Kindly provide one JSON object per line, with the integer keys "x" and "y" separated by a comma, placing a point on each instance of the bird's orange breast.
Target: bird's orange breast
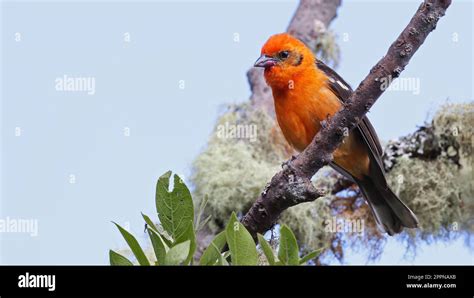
{"x": 301, "y": 109}
{"x": 300, "y": 112}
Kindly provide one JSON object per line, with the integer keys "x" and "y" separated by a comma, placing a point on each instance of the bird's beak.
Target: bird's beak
{"x": 265, "y": 61}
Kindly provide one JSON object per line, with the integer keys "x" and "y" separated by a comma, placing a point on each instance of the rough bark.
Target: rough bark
{"x": 423, "y": 144}
{"x": 292, "y": 185}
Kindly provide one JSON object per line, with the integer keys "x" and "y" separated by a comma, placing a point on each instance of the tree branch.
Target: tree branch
{"x": 293, "y": 185}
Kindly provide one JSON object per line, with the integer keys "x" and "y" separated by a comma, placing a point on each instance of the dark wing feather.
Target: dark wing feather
{"x": 343, "y": 92}
{"x": 389, "y": 210}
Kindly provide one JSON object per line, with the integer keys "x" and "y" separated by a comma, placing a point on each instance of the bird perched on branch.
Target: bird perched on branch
{"x": 306, "y": 92}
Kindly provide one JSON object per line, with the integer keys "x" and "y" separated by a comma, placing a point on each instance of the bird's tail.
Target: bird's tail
{"x": 390, "y": 212}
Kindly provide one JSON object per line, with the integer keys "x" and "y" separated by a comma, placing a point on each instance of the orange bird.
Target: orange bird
{"x": 307, "y": 92}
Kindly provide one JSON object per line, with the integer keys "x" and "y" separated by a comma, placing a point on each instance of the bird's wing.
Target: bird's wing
{"x": 343, "y": 91}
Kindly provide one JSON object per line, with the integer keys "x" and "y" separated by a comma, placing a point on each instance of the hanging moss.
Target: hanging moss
{"x": 327, "y": 48}
{"x": 307, "y": 221}
{"x": 232, "y": 171}
{"x": 431, "y": 189}
{"x": 454, "y": 125}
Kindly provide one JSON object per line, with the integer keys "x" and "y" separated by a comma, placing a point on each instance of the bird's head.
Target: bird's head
{"x": 284, "y": 59}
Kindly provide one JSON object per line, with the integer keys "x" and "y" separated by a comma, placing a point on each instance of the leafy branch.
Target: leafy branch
{"x": 174, "y": 239}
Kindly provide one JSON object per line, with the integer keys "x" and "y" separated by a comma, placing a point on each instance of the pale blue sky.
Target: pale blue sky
{"x": 137, "y": 87}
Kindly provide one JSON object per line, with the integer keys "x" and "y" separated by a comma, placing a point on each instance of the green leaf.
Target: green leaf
{"x": 159, "y": 242}
{"x": 178, "y": 254}
{"x": 203, "y": 223}
{"x": 226, "y": 254}
{"x": 211, "y": 255}
{"x": 117, "y": 259}
{"x": 175, "y": 209}
{"x": 241, "y": 245}
{"x": 310, "y": 256}
{"x": 190, "y": 235}
{"x": 150, "y": 224}
{"x": 164, "y": 235}
{"x": 134, "y": 246}
{"x": 202, "y": 206}
{"x": 288, "y": 253}
{"x": 222, "y": 261}
{"x": 159, "y": 246}
{"x": 159, "y": 229}
{"x": 267, "y": 249}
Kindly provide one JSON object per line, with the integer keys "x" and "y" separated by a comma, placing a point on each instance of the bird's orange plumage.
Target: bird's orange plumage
{"x": 303, "y": 100}
{"x": 307, "y": 92}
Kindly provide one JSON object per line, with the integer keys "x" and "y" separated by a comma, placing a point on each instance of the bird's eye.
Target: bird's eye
{"x": 283, "y": 54}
